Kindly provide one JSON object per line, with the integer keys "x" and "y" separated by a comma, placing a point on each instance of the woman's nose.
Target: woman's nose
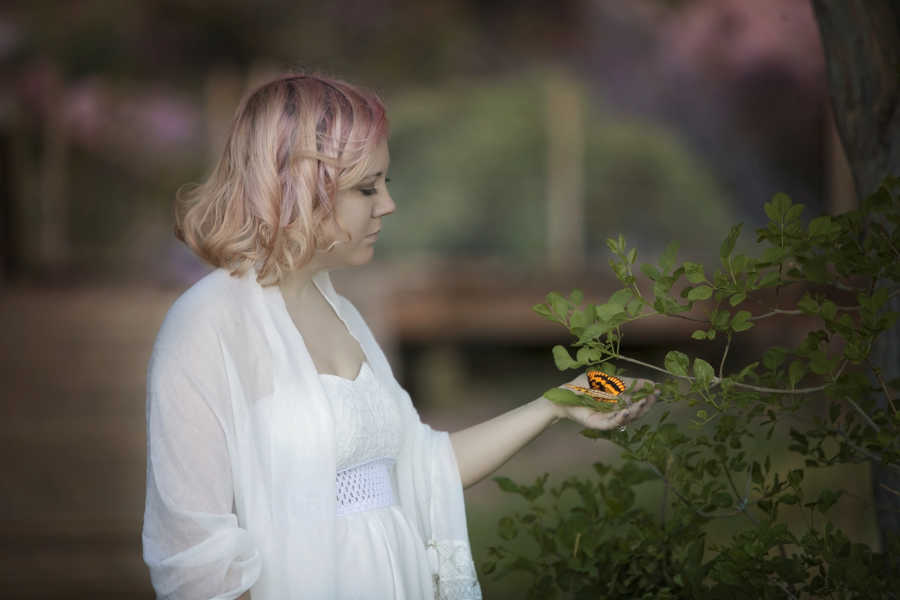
{"x": 385, "y": 204}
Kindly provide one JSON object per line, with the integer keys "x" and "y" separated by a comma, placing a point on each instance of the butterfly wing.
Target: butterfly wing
{"x": 598, "y": 380}
{"x": 593, "y": 393}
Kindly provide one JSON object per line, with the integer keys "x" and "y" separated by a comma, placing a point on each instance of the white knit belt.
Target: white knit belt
{"x": 365, "y": 487}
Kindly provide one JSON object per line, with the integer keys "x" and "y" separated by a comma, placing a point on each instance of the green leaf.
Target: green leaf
{"x": 781, "y": 202}
{"x": 694, "y": 272}
{"x": 741, "y": 321}
{"x": 773, "y": 357}
{"x": 667, "y": 260}
{"x": 795, "y": 477}
{"x": 719, "y": 318}
{"x": 793, "y": 213}
{"x": 703, "y": 371}
{"x": 562, "y": 358}
{"x": 796, "y": 372}
{"x": 563, "y": 397}
{"x": 621, "y": 297}
{"x": 827, "y": 499}
{"x": 808, "y": 305}
{"x": 701, "y": 292}
{"x": 834, "y": 411}
{"x": 580, "y": 319}
{"x": 768, "y": 279}
{"x": 699, "y": 335}
{"x": 729, "y": 241}
{"x": 559, "y": 304}
{"x": 634, "y": 307}
{"x": 722, "y": 499}
{"x": 608, "y": 312}
{"x": 583, "y": 355}
{"x": 819, "y": 363}
{"x": 880, "y": 297}
{"x": 737, "y": 298}
{"x": 506, "y": 528}
{"x": 829, "y": 310}
{"x": 593, "y": 331}
{"x": 542, "y": 309}
{"x": 747, "y": 371}
{"x": 632, "y": 256}
{"x": 820, "y": 226}
{"x": 507, "y": 485}
{"x": 756, "y": 474}
{"x": 650, "y": 271}
{"x": 677, "y": 362}
{"x": 774, "y": 254}
{"x": 576, "y": 297}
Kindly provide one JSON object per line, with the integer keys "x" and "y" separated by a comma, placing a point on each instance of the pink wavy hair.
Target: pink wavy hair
{"x": 294, "y": 143}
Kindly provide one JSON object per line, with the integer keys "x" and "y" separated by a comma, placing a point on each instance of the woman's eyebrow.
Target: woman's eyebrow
{"x": 373, "y": 175}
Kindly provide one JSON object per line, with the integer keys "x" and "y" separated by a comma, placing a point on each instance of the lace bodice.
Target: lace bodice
{"x": 367, "y": 424}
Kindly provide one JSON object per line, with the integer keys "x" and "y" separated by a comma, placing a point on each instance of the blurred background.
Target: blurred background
{"x": 523, "y": 135}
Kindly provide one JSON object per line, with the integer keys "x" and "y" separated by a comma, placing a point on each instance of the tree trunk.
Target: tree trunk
{"x": 861, "y": 39}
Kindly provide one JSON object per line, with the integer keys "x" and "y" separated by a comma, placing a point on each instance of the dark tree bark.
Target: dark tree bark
{"x": 861, "y": 39}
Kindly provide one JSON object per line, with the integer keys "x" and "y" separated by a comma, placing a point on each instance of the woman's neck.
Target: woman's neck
{"x": 297, "y": 285}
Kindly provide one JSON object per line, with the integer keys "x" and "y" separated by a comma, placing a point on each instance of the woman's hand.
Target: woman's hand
{"x": 605, "y": 420}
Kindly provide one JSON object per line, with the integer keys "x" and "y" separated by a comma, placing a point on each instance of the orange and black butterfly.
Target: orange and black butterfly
{"x": 602, "y": 387}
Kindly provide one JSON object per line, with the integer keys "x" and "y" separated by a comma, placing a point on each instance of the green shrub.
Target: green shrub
{"x": 823, "y": 401}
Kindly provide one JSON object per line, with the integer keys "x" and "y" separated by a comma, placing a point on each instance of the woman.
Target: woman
{"x": 283, "y": 457}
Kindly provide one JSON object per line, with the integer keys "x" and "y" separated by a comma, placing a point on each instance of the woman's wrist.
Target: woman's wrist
{"x": 554, "y": 412}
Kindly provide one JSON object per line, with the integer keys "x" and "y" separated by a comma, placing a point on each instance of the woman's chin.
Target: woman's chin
{"x": 359, "y": 257}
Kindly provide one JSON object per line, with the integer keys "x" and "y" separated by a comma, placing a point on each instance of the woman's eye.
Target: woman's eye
{"x": 371, "y": 191}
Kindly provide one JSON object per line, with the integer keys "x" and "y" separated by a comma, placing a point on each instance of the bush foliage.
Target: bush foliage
{"x": 822, "y": 401}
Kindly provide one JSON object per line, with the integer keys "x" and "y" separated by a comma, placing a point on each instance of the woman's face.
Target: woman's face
{"x": 358, "y": 211}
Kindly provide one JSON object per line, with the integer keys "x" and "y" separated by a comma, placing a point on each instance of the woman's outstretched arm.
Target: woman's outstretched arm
{"x": 483, "y": 448}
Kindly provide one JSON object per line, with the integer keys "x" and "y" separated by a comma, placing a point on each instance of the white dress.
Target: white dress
{"x": 379, "y": 547}
{"x": 245, "y": 440}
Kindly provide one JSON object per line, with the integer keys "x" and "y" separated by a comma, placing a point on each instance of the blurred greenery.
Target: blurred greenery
{"x": 469, "y": 173}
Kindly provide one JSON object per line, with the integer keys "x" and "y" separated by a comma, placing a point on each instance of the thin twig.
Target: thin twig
{"x": 863, "y": 451}
{"x": 891, "y": 490}
{"x": 746, "y": 386}
{"x": 724, "y": 354}
{"x": 776, "y": 311}
{"x": 687, "y": 502}
{"x": 786, "y": 589}
{"x": 863, "y": 413}
{"x": 887, "y": 394}
{"x": 779, "y": 311}
{"x": 737, "y": 494}
{"x": 685, "y": 317}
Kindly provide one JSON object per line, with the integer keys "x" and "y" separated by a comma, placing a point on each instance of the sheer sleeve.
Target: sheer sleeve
{"x": 430, "y": 482}
{"x": 192, "y": 542}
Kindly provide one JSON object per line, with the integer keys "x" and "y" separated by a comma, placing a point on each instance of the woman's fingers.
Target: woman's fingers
{"x": 597, "y": 419}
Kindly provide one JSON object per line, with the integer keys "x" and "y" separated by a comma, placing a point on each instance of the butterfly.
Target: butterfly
{"x": 602, "y": 387}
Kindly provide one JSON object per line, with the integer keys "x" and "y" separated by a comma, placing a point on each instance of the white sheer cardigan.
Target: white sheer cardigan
{"x": 241, "y": 454}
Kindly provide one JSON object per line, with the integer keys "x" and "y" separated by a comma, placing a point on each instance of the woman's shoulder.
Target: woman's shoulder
{"x": 208, "y": 308}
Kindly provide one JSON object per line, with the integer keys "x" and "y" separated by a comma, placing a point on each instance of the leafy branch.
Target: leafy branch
{"x": 607, "y": 546}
